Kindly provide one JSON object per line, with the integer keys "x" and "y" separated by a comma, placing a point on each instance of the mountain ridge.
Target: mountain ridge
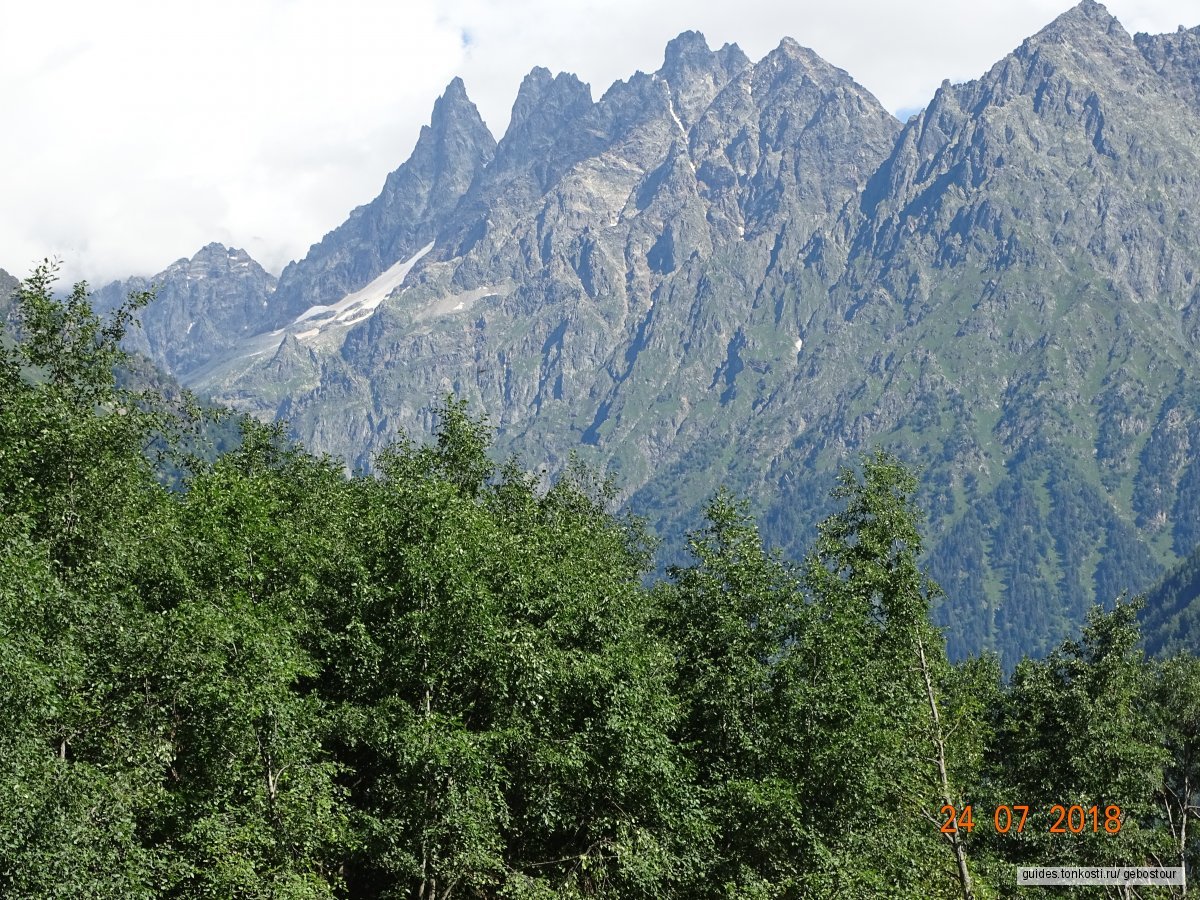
{"x": 745, "y": 272}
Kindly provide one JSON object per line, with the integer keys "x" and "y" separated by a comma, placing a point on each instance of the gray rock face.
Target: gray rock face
{"x": 1176, "y": 57}
{"x": 8, "y": 286}
{"x": 581, "y": 263}
{"x": 746, "y": 273}
{"x": 205, "y": 306}
{"x": 416, "y": 198}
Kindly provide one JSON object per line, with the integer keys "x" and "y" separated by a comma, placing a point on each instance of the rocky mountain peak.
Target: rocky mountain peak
{"x": 217, "y": 259}
{"x": 1076, "y": 96}
{"x": 1081, "y": 38}
{"x": 1007, "y": 284}
{"x": 544, "y": 94}
{"x": 218, "y": 253}
{"x": 792, "y": 62}
{"x": 540, "y": 132}
{"x": 1087, "y": 14}
{"x": 215, "y": 248}
{"x": 687, "y": 46}
{"x": 792, "y": 49}
{"x": 416, "y": 198}
{"x": 456, "y": 136}
{"x": 203, "y": 306}
{"x": 451, "y": 148}
{"x": 454, "y": 110}
{"x": 696, "y": 74}
{"x": 456, "y": 92}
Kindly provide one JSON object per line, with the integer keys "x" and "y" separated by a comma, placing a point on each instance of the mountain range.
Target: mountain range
{"x": 747, "y": 272}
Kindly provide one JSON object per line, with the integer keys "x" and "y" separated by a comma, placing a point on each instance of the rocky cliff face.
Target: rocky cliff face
{"x": 600, "y": 270}
{"x": 745, "y": 272}
{"x": 1175, "y": 57}
{"x": 205, "y": 306}
{"x": 8, "y": 286}
{"x": 416, "y": 198}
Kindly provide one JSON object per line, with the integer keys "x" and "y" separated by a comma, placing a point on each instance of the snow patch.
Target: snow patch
{"x": 367, "y": 298}
{"x": 675, "y": 115}
{"x": 452, "y": 303}
{"x": 799, "y": 344}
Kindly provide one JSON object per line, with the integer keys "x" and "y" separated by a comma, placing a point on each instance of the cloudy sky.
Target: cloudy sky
{"x": 136, "y": 131}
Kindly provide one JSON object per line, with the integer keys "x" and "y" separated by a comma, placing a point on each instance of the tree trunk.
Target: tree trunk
{"x": 939, "y": 746}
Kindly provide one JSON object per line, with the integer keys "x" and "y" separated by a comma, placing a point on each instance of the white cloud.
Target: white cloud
{"x": 137, "y": 131}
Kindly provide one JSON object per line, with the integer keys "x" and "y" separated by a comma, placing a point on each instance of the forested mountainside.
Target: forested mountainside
{"x": 1171, "y": 618}
{"x": 451, "y": 679}
{"x": 744, "y": 273}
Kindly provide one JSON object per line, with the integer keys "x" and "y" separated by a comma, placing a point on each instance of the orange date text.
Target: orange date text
{"x": 1058, "y": 819}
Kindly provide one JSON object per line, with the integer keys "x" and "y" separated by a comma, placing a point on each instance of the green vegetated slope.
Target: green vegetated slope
{"x": 1016, "y": 312}
{"x": 450, "y": 679}
{"x": 1030, "y": 251}
{"x": 1171, "y": 619}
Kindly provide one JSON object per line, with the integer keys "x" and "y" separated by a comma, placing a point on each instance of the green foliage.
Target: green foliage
{"x": 499, "y": 691}
{"x": 153, "y": 712}
{"x": 453, "y": 679}
{"x": 1175, "y": 710}
{"x": 868, "y": 716}
{"x": 731, "y": 618}
{"x": 1077, "y": 729}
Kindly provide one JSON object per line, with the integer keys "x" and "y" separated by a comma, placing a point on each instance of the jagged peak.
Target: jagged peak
{"x": 539, "y": 86}
{"x": 733, "y": 56}
{"x": 789, "y": 46}
{"x": 454, "y": 97}
{"x": 1085, "y": 44}
{"x": 215, "y": 251}
{"x": 689, "y": 51}
{"x": 1182, "y": 33}
{"x": 1087, "y": 19}
{"x": 215, "y": 255}
{"x": 291, "y": 350}
{"x": 1088, "y": 11}
{"x": 207, "y": 253}
{"x": 454, "y": 105}
{"x": 1175, "y": 57}
{"x": 456, "y": 121}
{"x": 455, "y": 89}
{"x": 793, "y": 51}
{"x": 288, "y": 344}
{"x": 695, "y": 74}
{"x": 791, "y": 60}
{"x": 688, "y": 46}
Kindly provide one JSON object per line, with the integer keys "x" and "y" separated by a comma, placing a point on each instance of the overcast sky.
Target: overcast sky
{"x": 136, "y": 131}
